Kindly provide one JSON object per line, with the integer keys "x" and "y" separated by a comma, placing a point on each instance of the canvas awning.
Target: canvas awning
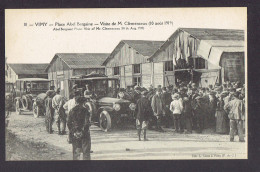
{"x": 211, "y": 50}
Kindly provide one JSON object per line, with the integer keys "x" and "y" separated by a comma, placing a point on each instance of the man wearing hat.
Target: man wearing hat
{"x": 176, "y": 107}
{"x": 136, "y": 93}
{"x": 143, "y": 113}
{"x": 49, "y": 111}
{"x": 69, "y": 105}
{"x": 78, "y": 124}
{"x": 234, "y": 108}
{"x": 166, "y": 99}
{"x": 157, "y": 106}
{"x": 60, "y": 116}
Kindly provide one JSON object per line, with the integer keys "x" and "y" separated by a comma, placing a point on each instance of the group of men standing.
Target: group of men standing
{"x": 188, "y": 107}
{"x": 78, "y": 120}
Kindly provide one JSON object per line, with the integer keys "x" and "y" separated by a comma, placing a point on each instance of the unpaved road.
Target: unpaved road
{"x": 27, "y": 139}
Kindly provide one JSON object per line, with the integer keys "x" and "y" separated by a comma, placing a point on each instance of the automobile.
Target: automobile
{"x": 30, "y": 95}
{"x": 107, "y": 111}
{"x": 10, "y": 91}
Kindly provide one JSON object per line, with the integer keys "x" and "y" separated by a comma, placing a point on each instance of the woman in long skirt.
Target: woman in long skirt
{"x": 221, "y": 117}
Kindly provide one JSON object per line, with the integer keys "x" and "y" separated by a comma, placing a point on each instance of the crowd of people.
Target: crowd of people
{"x": 187, "y": 107}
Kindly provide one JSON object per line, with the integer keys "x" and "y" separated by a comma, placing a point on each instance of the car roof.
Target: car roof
{"x": 32, "y": 79}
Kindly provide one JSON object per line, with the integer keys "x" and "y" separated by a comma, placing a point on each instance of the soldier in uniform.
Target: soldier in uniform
{"x": 234, "y": 108}
{"x": 49, "y": 111}
{"x": 143, "y": 113}
{"x": 78, "y": 124}
{"x": 60, "y": 116}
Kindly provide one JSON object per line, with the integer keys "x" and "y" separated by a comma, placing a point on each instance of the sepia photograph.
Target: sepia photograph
{"x": 126, "y": 84}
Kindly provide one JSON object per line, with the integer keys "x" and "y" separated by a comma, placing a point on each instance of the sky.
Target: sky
{"x": 39, "y": 44}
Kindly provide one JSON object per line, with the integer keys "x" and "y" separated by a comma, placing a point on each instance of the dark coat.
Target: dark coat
{"x": 144, "y": 109}
{"x": 166, "y": 98}
{"x": 79, "y": 120}
{"x": 135, "y": 96}
{"x": 187, "y": 109}
{"x": 49, "y": 109}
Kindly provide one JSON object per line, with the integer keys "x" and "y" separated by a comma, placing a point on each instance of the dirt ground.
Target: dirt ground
{"x": 27, "y": 139}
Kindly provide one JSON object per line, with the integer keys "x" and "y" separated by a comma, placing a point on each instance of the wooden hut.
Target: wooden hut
{"x": 128, "y": 61}
{"x": 190, "y": 48}
{"x": 65, "y": 65}
{"x": 16, "y": 71}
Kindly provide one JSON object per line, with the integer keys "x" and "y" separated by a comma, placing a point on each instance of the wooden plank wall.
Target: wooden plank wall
{"x": 234, "y": 66}
{"x": 128, "y": 75}
{"x": 146, "y": 74}
{"x": 209, "y": 78}
{"x": 158, "y": 78}
{"x": 126, "y": 56}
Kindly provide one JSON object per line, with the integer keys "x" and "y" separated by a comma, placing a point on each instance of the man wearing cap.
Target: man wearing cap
{"x": 60, "y": 116}
{"x": 157, "y": 106}
{"x": 234, "y": 108}
{"x": 78, "y": 124}
{"x": 143, "y": 113}
{"x": 49, "y": 111}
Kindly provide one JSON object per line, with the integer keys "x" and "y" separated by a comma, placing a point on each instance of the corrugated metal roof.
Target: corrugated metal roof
{"x": 144, "y": 47}
{"x": 82, "y": 60}
{"x": 213, "y": 36}
{"x": 22, "y": 68}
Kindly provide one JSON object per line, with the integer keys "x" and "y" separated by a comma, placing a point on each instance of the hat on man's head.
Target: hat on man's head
{"x": 175, "y": 96}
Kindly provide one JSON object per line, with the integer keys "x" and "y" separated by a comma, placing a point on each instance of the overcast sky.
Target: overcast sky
{"x": 25, "y": 44}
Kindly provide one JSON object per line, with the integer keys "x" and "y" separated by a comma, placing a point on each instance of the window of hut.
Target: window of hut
{"x": 137, "y": 81}
{"x": 168, "y": 66}
{"x": 200, "y": 63}
{"x": 137, "y": 68}
{"x": 116, "y": 71}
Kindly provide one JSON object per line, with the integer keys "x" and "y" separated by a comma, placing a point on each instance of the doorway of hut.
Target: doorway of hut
{"x": 185, "y": 76}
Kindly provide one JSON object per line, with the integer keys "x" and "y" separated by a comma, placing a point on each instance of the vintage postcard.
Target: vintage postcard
{"x": 126, "y": 84}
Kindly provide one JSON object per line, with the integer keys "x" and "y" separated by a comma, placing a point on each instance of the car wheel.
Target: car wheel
{"x": 35, "y": 110}
{"x": 17, "y": 108}
{"x": 105, "y": 121}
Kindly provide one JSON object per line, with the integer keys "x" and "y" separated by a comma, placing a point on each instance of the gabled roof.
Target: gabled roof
{"x": 81, "y": 60}
{"x": 208, "y": 34}
{"x": 144, "y": 47}
{"x": 22, "y": 68}
{"x": 215, "y": 34}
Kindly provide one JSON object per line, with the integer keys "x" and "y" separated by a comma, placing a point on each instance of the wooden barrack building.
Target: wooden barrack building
{"x": 129, "y": 62}
{"x": 65, "y": 65}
